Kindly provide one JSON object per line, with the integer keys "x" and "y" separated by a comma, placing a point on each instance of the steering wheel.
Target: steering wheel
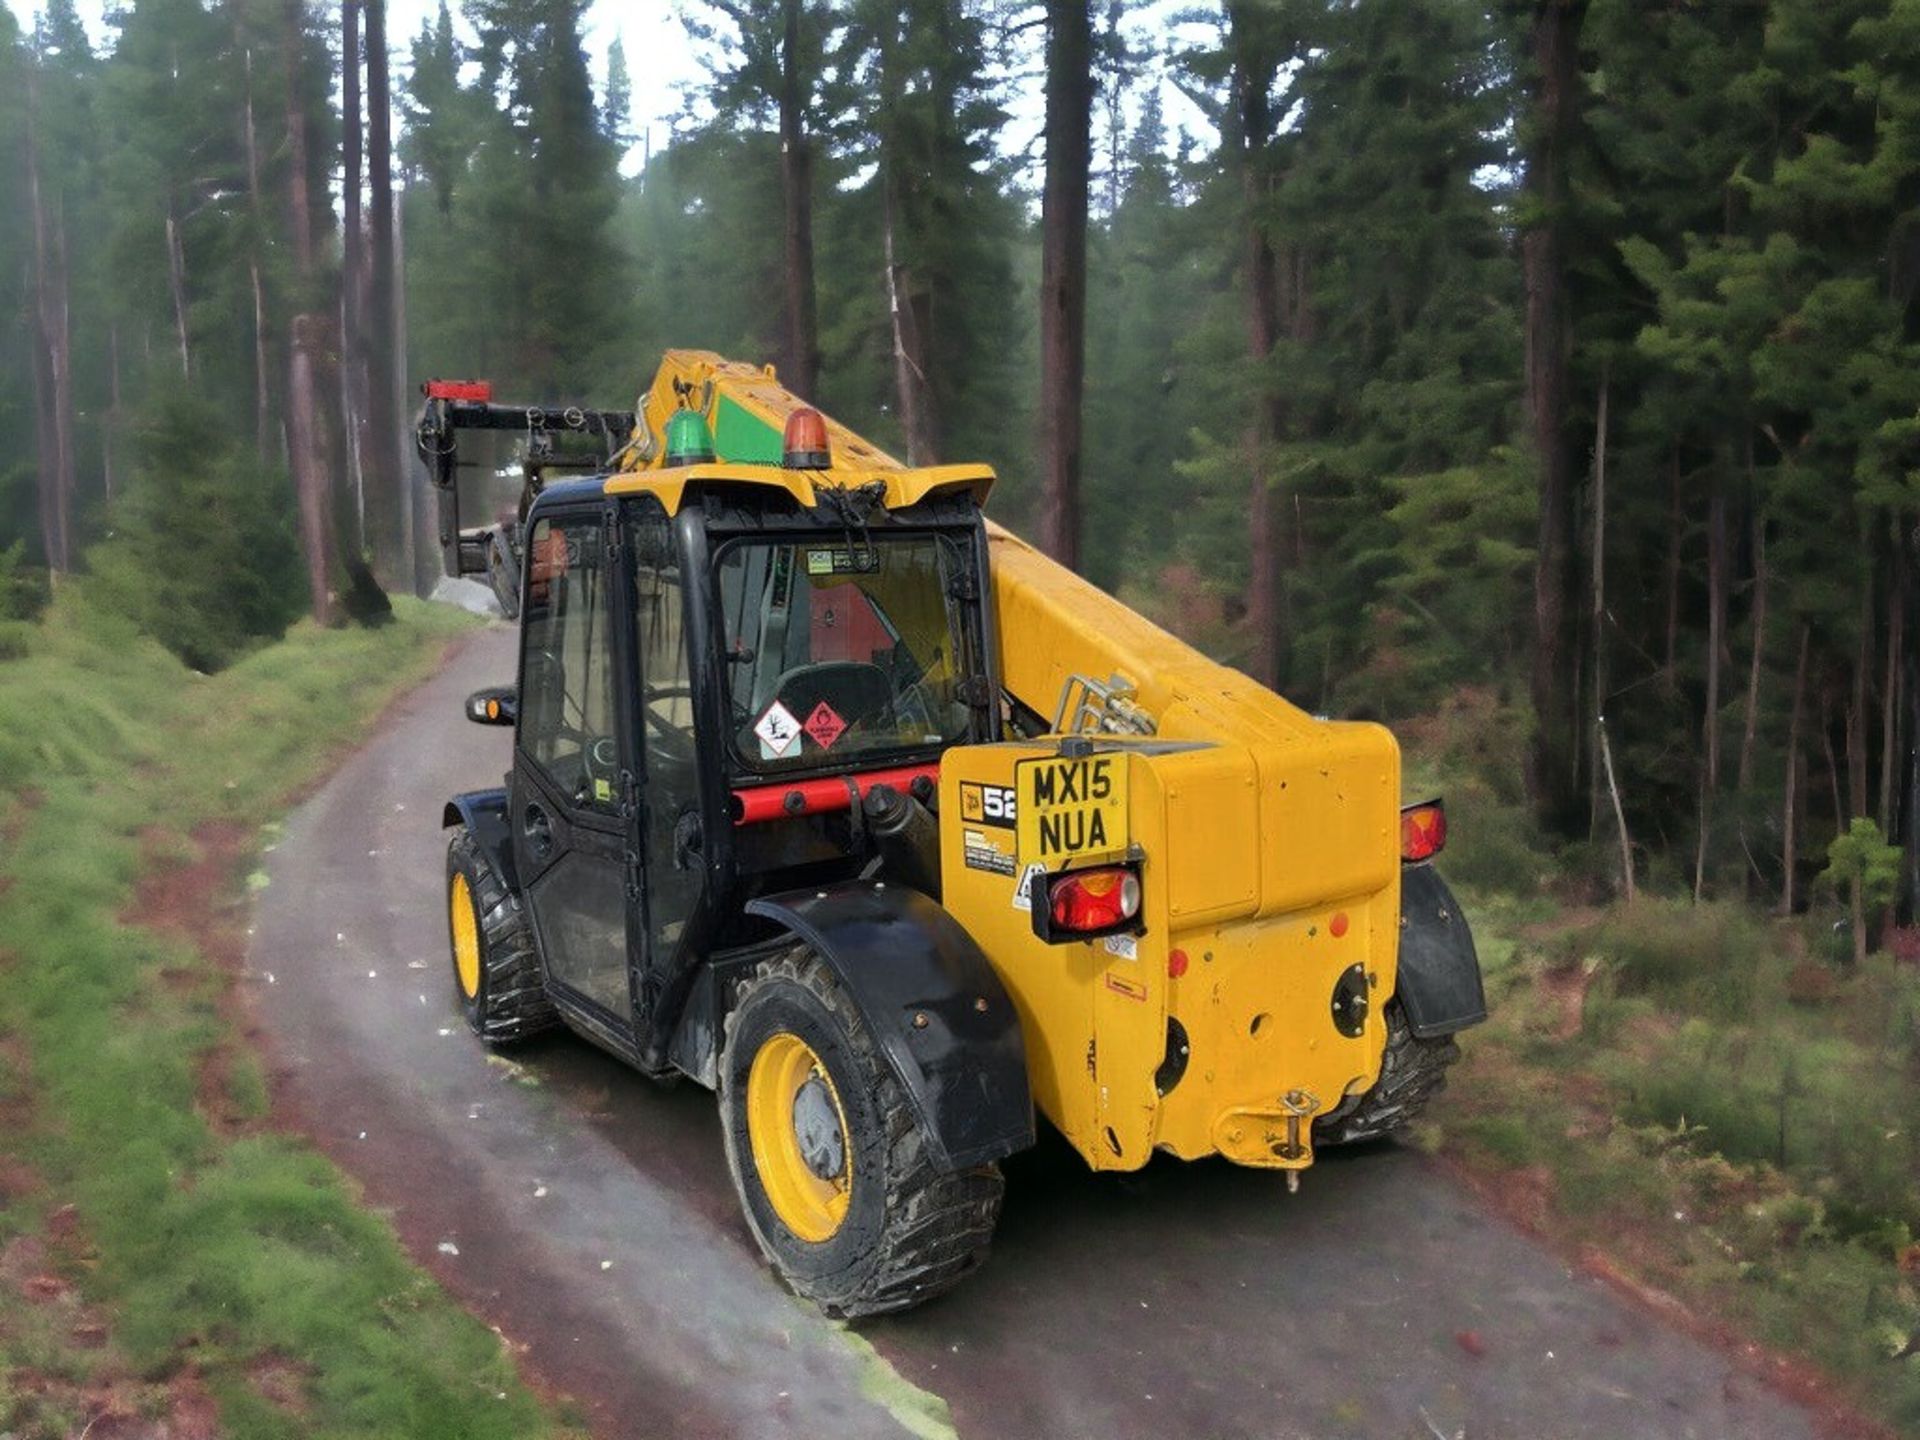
{"x": 602, "y": 757}
{"x": 672, "y": 742}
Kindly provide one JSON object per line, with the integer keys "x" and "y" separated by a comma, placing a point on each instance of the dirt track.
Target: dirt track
{"x": 595, "y": 1226}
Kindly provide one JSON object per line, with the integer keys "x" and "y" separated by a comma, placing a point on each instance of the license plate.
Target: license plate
{"x": 1071, "y": 809}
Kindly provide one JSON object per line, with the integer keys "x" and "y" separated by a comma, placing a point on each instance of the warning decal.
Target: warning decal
{"x": 987, "y": 852}
{"x": 778, "y": 732}
{"x": 825, "y": 725}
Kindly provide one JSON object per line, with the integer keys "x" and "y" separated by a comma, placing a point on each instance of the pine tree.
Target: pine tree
{"x": 911, "y": 100}
{"x": 616, "y": 109}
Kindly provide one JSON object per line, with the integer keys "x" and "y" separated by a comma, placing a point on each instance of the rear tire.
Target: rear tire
{"x": 1412, "y": 1072}
{"x": 499, "y": 983}
{"x": 888, "y": 1229}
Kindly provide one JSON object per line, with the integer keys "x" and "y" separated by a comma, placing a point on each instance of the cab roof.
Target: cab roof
{"x": 746, "y": 410}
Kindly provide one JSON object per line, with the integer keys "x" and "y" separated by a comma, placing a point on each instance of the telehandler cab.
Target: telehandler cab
{"x": 840, "y": 800}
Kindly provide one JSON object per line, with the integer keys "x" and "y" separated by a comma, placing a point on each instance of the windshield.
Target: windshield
{"x": 837, "y": 650}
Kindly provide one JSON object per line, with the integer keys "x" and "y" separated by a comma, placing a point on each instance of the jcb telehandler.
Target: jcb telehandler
{"x": 838, "y": 799}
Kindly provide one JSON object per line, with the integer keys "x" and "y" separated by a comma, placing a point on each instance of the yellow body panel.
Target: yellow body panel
{"x": 1255, "y": 993}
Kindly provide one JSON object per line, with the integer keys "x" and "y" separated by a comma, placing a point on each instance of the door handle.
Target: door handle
{"x": 538, "y": 829}
{"x": 689, "y": 839}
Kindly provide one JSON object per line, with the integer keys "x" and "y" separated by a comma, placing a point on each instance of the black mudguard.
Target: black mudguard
{"x": 484, "y": 812}
{"x": 1440, "y": 987}
{"x": 939, "y": 1013}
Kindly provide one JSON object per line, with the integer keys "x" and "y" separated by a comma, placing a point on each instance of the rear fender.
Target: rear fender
{"x": 484, "y": 812}
{"x": 939, "y": 1013}
{"x": 1439, "y": 985}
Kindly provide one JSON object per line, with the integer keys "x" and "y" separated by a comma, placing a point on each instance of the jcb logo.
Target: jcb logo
{"x": 987, "y": 805}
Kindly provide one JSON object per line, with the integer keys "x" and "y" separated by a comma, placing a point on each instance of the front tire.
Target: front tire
{"x": 496, "y": 969}
{"x": 827, "y": 1154}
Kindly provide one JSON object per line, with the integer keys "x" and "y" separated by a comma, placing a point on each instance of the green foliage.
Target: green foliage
{"x": 1711, "y": 958}
{"x": 512, "y": 266}
{"x": 1862, "y": 857}
{"x": 201, "y": 554}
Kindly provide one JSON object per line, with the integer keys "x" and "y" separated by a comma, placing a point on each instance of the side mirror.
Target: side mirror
{"x": 496, "y": 705}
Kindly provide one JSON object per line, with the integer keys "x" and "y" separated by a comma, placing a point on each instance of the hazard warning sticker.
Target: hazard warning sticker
{"x": 825, "y": 725}
{"x": 1023, "y": 892}
{"x": 778, "y": 732}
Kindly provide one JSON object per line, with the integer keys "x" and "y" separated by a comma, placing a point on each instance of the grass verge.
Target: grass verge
{"x": 1703, "y": 1112}
{"x": 166, "y": 1260}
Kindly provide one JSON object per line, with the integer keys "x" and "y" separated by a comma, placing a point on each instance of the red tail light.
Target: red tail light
{"x": 1085, "y": 904}
{"x": 1423, "y": 831}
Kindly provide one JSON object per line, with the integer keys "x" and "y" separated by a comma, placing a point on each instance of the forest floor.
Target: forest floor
{"x": 1708, "y": 1108}
{"x": 171, "y": 1264}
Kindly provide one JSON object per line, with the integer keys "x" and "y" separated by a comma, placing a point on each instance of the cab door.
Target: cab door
{"x": 573, "y": 836}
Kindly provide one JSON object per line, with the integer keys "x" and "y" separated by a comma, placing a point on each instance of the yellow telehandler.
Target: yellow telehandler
{"x": 835, "y": 797}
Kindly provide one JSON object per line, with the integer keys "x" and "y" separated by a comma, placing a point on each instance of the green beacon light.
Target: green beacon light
{"x": 689, "y": 442}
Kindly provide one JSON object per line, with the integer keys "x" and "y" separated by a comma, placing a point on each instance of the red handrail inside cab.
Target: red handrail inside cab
{"x": 757, "y": 803}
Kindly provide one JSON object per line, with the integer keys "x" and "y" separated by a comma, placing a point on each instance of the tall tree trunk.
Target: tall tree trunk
{"x": 256, "y": 210}
{"x": 911, "y": 383}
{"x": 353, "y": 276}
{"x": 308, "y": 450}
{"x": 1716, "y": 640}
{"x": 1597, "y": 640}
{"x": 306, "y": 444}
{"x": 1554, "y": 46}
{"x": 1840, "y": 814}
{"x": 1750, "y": 723}
{"x": 262, "y": 406}
{"x": 1676, "y": 530}
{"x": 1890, "y": 686}
{"x": 53, "y": 352}
{"x": 1254, "y": 66}
{"x": 1910, "y": 684}
{"x": 1063, "y": 274}
{"x": 112, "y": 427}
{"x": 177, "y": 289}
{"x": 1856, "y": 726}
{"x": 1789, "y": 855}
{"x": 387, "y": 516}
{"x": 801, "y": 365}
{"x": 420, "y": 498}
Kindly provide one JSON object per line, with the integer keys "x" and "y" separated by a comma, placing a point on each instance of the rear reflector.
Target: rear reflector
{"x": 1423, "y": 831}
{"x": 1086, "y": 904}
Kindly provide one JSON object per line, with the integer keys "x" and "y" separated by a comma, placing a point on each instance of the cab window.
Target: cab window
{"x": 566, "y": 697}
{"x": 840, "y": 648}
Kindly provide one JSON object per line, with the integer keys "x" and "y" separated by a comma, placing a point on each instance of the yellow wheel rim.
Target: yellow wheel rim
{"x": 466, "y": 936}
{"x": 801, "y": 1149}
